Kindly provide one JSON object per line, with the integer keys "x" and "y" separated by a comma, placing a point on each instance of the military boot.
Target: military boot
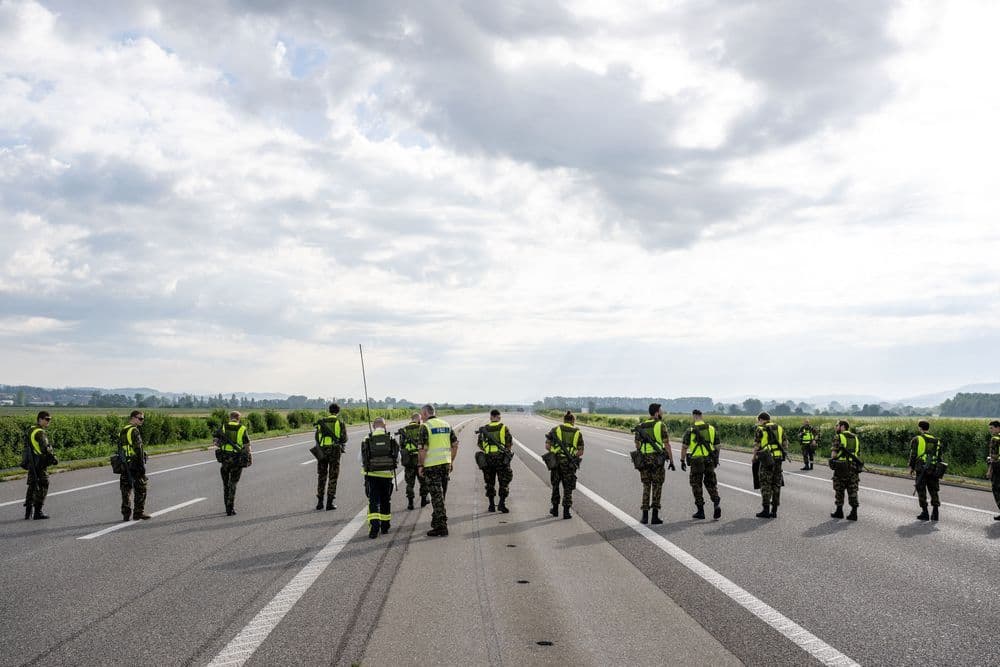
{"x": 923, "y": 516}
{"x": 656, "y": 517}
{"x": 700, "y": 514}
{"x": 127, "y": 516}
{"x": 555, "y": 509}
{"x": 774, "y": 511}
{"x": 492, "y": 507}
{"x": 319, "y": 502}
{"x": 373, "y": 531}
{"x": 384, "y": 526}
{"x": 409, "y": 503}
{"x": 764, "y": 513}
{"x": 853, "y": 516}
{"x": 27, "y": 512}
{"x": 39, "y": 514}
{"x": 805, "y": 467}
{"x": 934, "y": 514}
{"x": 437, "y": 532}
{"x": 424, "y": 500}
{"x": 329, "y": 504}
{"x": 503, "y": 505}
{"x": 645, "y": 517}
{"x": 996, "y": 518}
{"x": 838, "y": 513}
{"x": 566, "y": 514}
{"x": 717, "y": 512}
{"x": 136, "y": 516}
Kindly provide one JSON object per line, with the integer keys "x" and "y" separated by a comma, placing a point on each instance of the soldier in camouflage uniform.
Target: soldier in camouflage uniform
{"x": 769, "y": 445}
{"x": 234, "y": 441}
{"x": 653, "y": 444}
{"x": 565, "y": 442}
{"x": 438, "y": 448}
{"x": 409, "y": 437}
{"x": 807, "y": 438}
{"x": 331, "y": 438}
{"x": 133, "y": 481}
{"x": 701, "y": 452}
{"x": 993, "y": 463}
{"x": 925, "y": 453}
{"x": 37, "y": 454}
{"x": 844, "y": 455}
{"x": 495, "y": 440}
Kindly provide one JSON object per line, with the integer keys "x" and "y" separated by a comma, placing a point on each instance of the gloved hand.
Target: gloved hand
{"x": 684, "y": 466}
{"x": 671, "y": 466}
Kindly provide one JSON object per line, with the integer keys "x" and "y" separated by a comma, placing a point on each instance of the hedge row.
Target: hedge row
{"x": 884, "y": 440}
{"x": 88, "y": 436}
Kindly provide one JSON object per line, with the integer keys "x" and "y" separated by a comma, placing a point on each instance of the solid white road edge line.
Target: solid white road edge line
{"x": 794, "y": 632}
{"x": 126, "y": 524}
{"x": 827, "y": 481}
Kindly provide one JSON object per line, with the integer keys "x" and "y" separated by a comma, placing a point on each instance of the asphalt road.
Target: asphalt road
{"x": 282, "y": 583}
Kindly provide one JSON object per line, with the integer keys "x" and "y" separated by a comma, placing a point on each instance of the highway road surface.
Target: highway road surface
{"x": 282, "y": 583}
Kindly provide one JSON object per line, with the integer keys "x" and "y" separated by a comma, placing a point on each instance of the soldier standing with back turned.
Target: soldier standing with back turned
{"x": 378, "y": 460}
{"x": 331, "y": 438}
{"x": 496, "y": 441}
{"x": 409, "y": 444}
{"x": 38, "y": 454}
{"x": 234, "y": 441}
{"x": 565, "y": 442}
{"x": 993, "y": 463}
{"x": 845, "y": 461}
{"x": 653, "y": 444}
{"x": 701, "y": 453}
{"x": 438, "y": 448}
{"x": 925, "y": 455}
{"x": 769, "y": 444}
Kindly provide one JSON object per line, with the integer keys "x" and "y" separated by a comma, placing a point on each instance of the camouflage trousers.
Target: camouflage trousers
{"x": 411, "y": 477}
{"x": 328, "y": 469}
{"x": 849, "y": 483}
{"x": 770, "y": 484}
{"x": 808, "y": 453}
{"x": 379, "y": 491}
{"x": 436, "y": 480}
{"x": 231, "y": 472}
{"x": 996, "y": 483}
{"x": 703, "y": 474}
{"x": 564, "y": 474}
{"x": 38, "y": 488}
{"x": 925, "y": 485}
{"x": 136, "y": 487}
{"x": 652, "y": 476}
{"x": 499, "y": 473}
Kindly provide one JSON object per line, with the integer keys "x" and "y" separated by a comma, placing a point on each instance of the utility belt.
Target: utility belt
{"x": 500, "y": 459}
{"x": 31, "y": 460}
{"x": 767, "y": 459}
{"x": 241, "y": 458}
{"x": 324, "y": 453}
{"x": 844, "y": 467}
{"x": 935, "y": 470}
{"x": 645, "y": 461}
{"x": 702, "y": 463}
{"x": 408, "y": 459}
{"x": 551, "y": 460}
{"x": 119, "y": 462}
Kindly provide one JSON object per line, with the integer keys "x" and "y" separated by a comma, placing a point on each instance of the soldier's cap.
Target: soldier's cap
{"x": 696, "y": 412}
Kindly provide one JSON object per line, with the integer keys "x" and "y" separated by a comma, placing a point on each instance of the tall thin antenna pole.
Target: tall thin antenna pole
{"x": 368, "y": 410}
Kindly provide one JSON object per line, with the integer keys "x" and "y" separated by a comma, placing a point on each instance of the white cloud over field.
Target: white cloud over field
{"x": 500, "y": 200}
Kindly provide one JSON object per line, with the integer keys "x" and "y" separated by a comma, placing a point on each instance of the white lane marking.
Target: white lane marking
{"x": 617, "y": 452}
{"x": 305, "y": 463}
{"x": 249, "y": 639}
{"x": 728, "y": 486}
{"x": 794, "y": 632}
{"x": 126, "y": 524}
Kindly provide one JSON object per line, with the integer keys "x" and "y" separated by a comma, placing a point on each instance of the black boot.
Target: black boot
{"x": 127, "y": 516}
{"x": 39, "y": 514}
{"x": 838, "y": 513}
{"x": 329, "y": 504}
{"x": 27, "y": 512}
{"x": 923, "y": 516}
{"x": 656, "y": 517}
{"x": 717, "y": 512}
{"x": 934, "y": 514}
{"x": 700, "y": 514}
{"x": 764, "y": 513}
{"x": 774, "y": 511}
{"x": 385, "y": 527}
{"x": 319, "y": 502}
{"x": 853, "y": 516}
{"x": 373, "y": 531}
{"x": 423, "y": 501}
{"x": 566, "y": 514}
{"x": 805, "y": 467}
{"x": 503, "y": 505}
{"x": 409, "y": 504}
{"x": 492, "y": 507}
{"x": 996, "y": 518}
{"x": 555, "y": 509}
{"x": 645, "y": 517}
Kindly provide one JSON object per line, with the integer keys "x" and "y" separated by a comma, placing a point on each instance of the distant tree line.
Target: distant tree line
{"x": 972, "y": 405}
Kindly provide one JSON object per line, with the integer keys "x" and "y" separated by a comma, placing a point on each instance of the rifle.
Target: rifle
{"x": 646, "y": 439}
{"x": 368, "y": 413}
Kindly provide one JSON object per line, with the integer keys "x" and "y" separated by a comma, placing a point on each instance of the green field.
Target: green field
{"x": 884, "y": 440}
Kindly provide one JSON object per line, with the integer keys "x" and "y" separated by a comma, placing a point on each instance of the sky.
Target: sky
{"x": 500, "y": 201}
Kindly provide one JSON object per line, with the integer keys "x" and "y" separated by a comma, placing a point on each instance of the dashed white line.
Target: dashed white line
{"x": 728, "y": 486}
{"x": 126, "y": 524}
{"x": 795, "y": 633}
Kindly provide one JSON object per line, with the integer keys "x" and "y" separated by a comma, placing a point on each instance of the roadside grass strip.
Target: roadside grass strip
{"x": 126, "y": 524}
{"x": 794, "y": 632}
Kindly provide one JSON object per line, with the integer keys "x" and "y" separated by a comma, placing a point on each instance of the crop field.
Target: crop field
{"x": 884, "y": 440}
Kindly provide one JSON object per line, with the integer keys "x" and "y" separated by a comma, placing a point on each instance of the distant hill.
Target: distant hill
{"x": 942, "y": 396}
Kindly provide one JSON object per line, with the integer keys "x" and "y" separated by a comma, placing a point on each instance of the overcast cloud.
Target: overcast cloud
{"x": 500, "y": 200}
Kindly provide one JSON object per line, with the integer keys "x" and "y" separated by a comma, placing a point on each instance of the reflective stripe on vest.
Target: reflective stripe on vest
{"x": 438, "y": 442}
{"x": 125, "y": 440}
{"x": 559, "y": 446}
{"x": 325, "y": 440}
{"x": 922, "y": 442}
{"x": 699, "y": 450}
{"x": 235, "y": 433}
{"x": 844, "y": 447}
{"x": 491, "y": 447}
{"x": 36, "y": 446}
{"x": 765, "y": 443}
{"x": 650, "y": 426}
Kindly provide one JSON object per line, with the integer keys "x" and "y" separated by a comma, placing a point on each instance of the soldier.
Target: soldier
{"x": 807, "y": 438}
{"x": 701, "y": 453}
{"x": 378, "y": 460}
{"x": 331, "y": 438}
{"x": 769, "y": 451}
{"x": 438, "y": 448}
{"x": 565, "y": 442}
{"x": 133, "y": 481}
{"x": 496, "y": 442}
{"x": 37, "y": 457}
{"x": 925, "y": 455}
{"x": 653, "y": 444}
{"x": 845, "y": 461}
{"x": 408, "y": 445}
{"x": 234, "y": 443}
{"x": 992, "y": 463}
